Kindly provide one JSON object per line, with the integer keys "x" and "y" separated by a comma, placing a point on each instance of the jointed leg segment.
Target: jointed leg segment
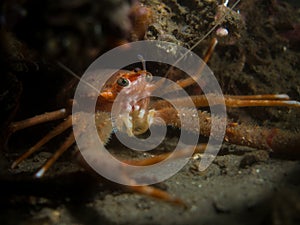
{"x": 231, "y": 101}
{"x": 43, "y": 118}
{"x": 53, "y": 133}
{"x": 70, "y": 140}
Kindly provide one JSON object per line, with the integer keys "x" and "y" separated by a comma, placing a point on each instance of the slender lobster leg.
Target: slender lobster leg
{"x": 43, "y": 118}
{"x": 157, "y": 193}
{"x": 191, "y": 80}
{"x": 235, "y": 102}
{"x": 158, "y": 158}
{"x": 104, "y": 128}
{"x": 53, "y": 133}
{"x": 70, "y": 140}
{"x": 102, "y": 121}
{"x": 276, "y": 140}
{"x": 145, "y": 190}
{"x": 232, "y": 101}
{"x": 260, "y": 97}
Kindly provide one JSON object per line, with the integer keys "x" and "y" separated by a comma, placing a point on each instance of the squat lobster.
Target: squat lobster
{"x": 143, "y": 114}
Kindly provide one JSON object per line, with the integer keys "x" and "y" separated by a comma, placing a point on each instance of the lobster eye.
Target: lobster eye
{"x": 123, "y": 82}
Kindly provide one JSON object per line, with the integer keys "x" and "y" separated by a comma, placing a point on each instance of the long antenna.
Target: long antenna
{"x": 75, "y": 75}
{"x": 141, "y": 58}
{"x": 208, "y": 33}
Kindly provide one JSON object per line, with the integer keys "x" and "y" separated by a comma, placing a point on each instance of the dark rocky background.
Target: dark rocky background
{"x": 242, "y": 186}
